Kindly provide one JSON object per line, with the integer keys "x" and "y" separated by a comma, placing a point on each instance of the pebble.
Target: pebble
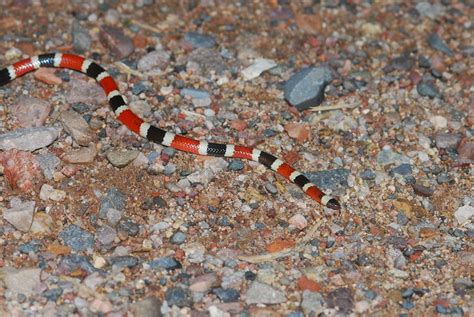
{"x": 129, "y": 226}
{"x": 329, "y": 179}
{"x": 53, "y": 294}
{"x": 435, "y": 41}
{"x": 116, "y": 41}
{"x": 178, "y": 237}
{"x": 403, "y": 170}
{"x": 30, "y": 111}
{"x": 32, "y": 246}
{"x": 271, "y": 188}
{"x": 82, "y": 155}
{"x": 447, "y": 140}
{"x": 464, "y": 214}
{"x": 203, "y": 283}
{"x": 72, "y": 262}
{"x": 305, "y": 89}
{"x": 28, "y": 139}
{"x": 199, "y": 40}
{"x": 48, "y": 192}
{"x": 367, "y": 174}
{"x": 194, "y": 93}
{"x": 20, "y": 214}
{"x": 179, "y": 296}
{"x": 427, "y": 88}
{"x": 236, "y": 165}
{"x": 81, "y": 39}
{"x": 342, "y": 298}
{"x": 113, "y": 199}
{"x": 312, "y": 303}
{"x": 23, "y": 281}
{"x": 257, "y": 68}
{"x": 48, "y": 163}
{"x": 206, "y": 62}
{"x": 76, "y": 238}
{"x": 77, "y": 127}
{"x": 124, "y": 261}
{"x": 114, "y": 216}
{"x": 166, "y": 263}
{"x": 227, "y": 294}
{"x": 148, "y": 307}
{"x": 429, "y": 10}
{"x": 439, "y": 122}
{"x": 299, "y": 221}
{"x": 260, "y": 293}
{"x": 154, "y": 62}
{"x": 121, "y": 158}
{"x": 388, "y": 157}
{"x": 86, "y": 92}
{"x": 421, "y": 190}
{"x": 105, "y": 235}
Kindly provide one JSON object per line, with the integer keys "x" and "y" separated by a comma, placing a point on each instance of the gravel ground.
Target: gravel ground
{"x": 373, "y": 100}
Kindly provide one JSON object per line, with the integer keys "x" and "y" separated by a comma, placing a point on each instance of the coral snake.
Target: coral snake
{"x": 125, "y": 115}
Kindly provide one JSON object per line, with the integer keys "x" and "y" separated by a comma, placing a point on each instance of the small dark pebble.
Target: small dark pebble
{"x": 224, "y": 221}
{"x": 424, "y": 62}
{"x": 407, "y": 304}
{"x": 227, "y": 295}
{"x": 367, "y": 174}
{"x": 153, "y": 203}
{"x": 330, "y": 179}
{"x": 250, "y": 276}
{"x": 199, "y": 40}
{"x": 32, "y": 246}
{"x": 76, "y": 238}
{"x": 125, "y": 261}
{"x": 370, "y": 295}
{"x": 179, "y": 296}
{"x": 80, "y": 107}
{"x": 72, "y": 262}
{"x": 402, "y": 169}
{"x": 421, "y": 190}
{"x": 438, "y": 44}
{"x": 170, "y": 152}
{"x": 178, "y": 237}
{"x": 363, "y": 260}
{"x": 140, "y": 87}
{"x": 268, "y": 133}
{"x": 440, "y": 309}
{"x": 440, "y": 263}
{"x": 52, "y": 294}
{"x": 427, "y": 89}
{"x": 129, "y": 226}
{"x": 342, "y": 298}
{"x": 330, "y": 243}
{"x": 407, "y": 293}
{"x": 402, "y": 219}
{"x": 166, "y": 263}
{"x": 444, "y": 178}
{"x": 212, "y": 209}
{"x": 236, "y": 165}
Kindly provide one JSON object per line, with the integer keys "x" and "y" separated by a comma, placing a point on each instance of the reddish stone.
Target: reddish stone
{"x": 305, "y": 283}
{"x": 280, "y": 244}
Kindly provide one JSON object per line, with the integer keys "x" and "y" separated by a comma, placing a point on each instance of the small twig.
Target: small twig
{"x": 124, "y": 68}
{"x": 146, "y": 26}
{"x": 333, "y": 107}
{"x": 266, "y": 256}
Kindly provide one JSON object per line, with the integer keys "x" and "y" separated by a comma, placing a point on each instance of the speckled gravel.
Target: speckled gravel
{"x": 372, "y": 100}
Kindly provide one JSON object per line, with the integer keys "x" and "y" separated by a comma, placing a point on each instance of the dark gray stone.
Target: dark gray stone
{"x": 76, "y": 238}
{"x": 438, "y": 44}
{"x": 305, "y": 89}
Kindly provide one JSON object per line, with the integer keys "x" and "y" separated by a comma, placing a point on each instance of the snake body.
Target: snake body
{"x": 154, "y": 134}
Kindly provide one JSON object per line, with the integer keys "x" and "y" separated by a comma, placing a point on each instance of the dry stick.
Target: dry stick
{"x": 300, "y": 244}
{"x": 333, "y": 107}
{"x": 128, "y": 70}
{"x": 146, "y": 26}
